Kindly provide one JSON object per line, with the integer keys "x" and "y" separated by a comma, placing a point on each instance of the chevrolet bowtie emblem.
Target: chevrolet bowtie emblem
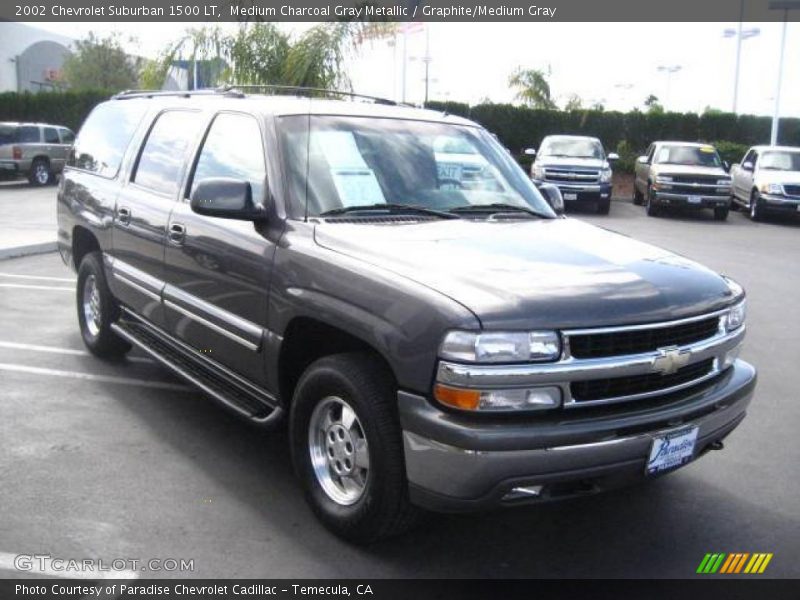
{"x": 670, "y": 360}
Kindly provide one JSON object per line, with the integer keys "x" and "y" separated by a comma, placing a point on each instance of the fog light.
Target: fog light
{"x": 543, "y": 398}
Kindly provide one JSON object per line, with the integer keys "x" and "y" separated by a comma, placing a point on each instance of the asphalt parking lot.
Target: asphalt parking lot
{"x": 105, "y": 461}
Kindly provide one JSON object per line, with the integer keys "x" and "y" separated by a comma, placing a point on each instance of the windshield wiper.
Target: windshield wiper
{"x": 389, "y": 208}
{"x": 496, "y": 207}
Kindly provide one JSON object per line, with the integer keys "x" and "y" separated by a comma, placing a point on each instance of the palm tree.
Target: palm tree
{"x": 262, "y": 54}
{"x": 532, "y": 87}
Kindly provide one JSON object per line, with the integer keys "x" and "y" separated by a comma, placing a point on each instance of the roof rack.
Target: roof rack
{"x": 240, "y": 90}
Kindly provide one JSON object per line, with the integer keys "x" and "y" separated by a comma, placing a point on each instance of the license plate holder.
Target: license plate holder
{"x": 570, "y": 195}
{"x": 671, "y": 451}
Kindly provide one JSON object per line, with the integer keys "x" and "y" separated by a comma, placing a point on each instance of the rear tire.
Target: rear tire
{"x": 347, "y": 448}
{"x": 40, "y": 173}
{"x": 638, "y": 199}
{"x": 97, "y": 310}
{"x": 721, "y": 213}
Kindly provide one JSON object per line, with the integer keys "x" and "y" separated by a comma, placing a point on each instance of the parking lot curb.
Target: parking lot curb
{"x": 30, "y": 249}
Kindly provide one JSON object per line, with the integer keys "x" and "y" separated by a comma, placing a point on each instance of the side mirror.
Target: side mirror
{"x": 225, "y": 198}
{"x": 726, "y": 165}
{"x": 553, "y": 196}
{"x": 642, "y": 160}
{"x": 529, "y": 152}
{"x": 747, "y": 166}
{"x": 613, "y": 156}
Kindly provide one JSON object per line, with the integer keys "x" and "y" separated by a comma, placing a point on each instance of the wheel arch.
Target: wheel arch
{"x": 83, "y": 242}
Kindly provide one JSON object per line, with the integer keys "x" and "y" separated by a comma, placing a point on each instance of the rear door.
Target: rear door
{"x": 218, "y": 270}
{"x": 143, "y": 207}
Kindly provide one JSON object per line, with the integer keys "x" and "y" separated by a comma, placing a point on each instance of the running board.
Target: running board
{"x": 233, "y": 392}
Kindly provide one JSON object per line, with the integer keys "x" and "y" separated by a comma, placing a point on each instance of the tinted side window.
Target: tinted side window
{"x": 165, "y": 150}
{"x": 51, "y": 136}
{"x": 8, "y": 134}
{"x": 29, "y": 134}
{"x": 233, "y": 149}
{"x": 749, "y": 156}
{"x": 67, "y": 137}
{"x": 105, "y": 136}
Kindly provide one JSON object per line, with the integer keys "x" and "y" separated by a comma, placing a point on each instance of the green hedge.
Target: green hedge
{"x": 59, "y": 108}
{"x": 519, "y": 127}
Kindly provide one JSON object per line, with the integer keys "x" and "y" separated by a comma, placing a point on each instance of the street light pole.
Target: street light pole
{"x": 773, "y": 140}
{"x": 669, "y": 70}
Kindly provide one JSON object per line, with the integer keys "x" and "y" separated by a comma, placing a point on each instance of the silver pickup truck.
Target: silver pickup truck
{"x": 768, "y": 180}
{"x": 682, "y": 174}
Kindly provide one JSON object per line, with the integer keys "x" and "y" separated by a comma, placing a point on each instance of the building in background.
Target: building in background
{"x": 31, "y": 59}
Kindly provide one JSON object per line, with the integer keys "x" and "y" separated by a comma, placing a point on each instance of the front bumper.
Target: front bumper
{"x": 691, "y": 201}
{"x": 459, "y": 463}
{"x": 582, "y": 192}
{"x": 780, "y": 203}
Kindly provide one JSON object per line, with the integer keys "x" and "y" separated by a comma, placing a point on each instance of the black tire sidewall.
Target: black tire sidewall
{"x": 329, "y": 377}
{"x": 32, "y": 177}
{"x": 105, "y": 343}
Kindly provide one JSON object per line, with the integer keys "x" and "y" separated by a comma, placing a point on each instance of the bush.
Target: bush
{"x": 731, "y": 151}
{"x": 66, "y": 108}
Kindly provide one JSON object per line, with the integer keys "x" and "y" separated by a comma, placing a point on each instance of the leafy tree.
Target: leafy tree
{"x": 574, "y": 102}
{"x": 263, "y": 54}
{"x": 100, "y": 63}
{"x": 533, "y": 88}
{"x": 653, "y": 105}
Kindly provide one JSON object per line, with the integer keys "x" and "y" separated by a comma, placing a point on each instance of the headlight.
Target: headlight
{"x": 736, "y": 316}
{"x": 772, "y": 188}
{"x": 605, "y": 175}
{"x": 538, "y": 172}
{"x": 501, "y": 347}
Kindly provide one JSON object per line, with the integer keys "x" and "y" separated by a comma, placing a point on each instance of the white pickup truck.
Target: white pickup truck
{"x": 768, "y": 180}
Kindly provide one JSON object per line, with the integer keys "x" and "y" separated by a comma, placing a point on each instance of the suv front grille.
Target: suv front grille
{"x": 619, "y": 387}
{"x": 792, "y": 190}
{"x": 568, "y": 176}
{"x": 636, "y": 341}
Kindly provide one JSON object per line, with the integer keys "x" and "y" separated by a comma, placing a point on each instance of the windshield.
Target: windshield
{"x": 698, "y": 156}
{"x": 572, "y": 148}
{"x": 360, "y": 161}
{"x": 780, "y": 161}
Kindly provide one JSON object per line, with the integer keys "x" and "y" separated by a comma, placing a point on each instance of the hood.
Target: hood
{"x": 556, "y": 273}
{"x": 578, "y": 163}
{"x": 770, "y": 176}
{"x": 666, "y": 169}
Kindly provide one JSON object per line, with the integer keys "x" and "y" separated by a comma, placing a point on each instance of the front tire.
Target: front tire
{"x": 603, "y": 207}
{"x": 721, "y": 213}
{"x": 347, "y": 448}
{"x": 649, "y": 203}
{"x": 756, "y": 211}
{"x": 97, "y": 310}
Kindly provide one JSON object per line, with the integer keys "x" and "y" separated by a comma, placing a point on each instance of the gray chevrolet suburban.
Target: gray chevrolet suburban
{"x": 391, "y": 283}
{"x": 36, "y": 151}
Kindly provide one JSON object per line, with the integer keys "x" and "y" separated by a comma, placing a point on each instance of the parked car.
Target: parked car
{"x": 33, "y": 150}
{"x": 578, "y": 165}
{"x": 682, "y": 174}
{"x": 433, "y": 345}
{"x": 768, "y": 180}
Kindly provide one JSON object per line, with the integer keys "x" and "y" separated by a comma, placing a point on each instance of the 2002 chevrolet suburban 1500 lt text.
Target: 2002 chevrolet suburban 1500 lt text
{"x": 438, "y": 337}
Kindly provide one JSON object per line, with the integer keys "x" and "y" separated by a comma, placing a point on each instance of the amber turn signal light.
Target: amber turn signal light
{"x": 457, "y": 397}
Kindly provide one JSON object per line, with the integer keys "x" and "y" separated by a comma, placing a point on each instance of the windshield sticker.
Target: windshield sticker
{"x": 708, "y": 149}
{"x": 355, "y": 182}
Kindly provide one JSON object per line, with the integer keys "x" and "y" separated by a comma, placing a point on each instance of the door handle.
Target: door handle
{"x": 124, "y": 215}
{"x": 177, "y": 233}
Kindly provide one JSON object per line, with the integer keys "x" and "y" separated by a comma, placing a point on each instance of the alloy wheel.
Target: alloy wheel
{"x": 91, "y": 305}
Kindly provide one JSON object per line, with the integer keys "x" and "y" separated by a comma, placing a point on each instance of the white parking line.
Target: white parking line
{"x": 92, "y": 377}
{"x": 9, "y": 562}
{"x": 36, "y": 287}
{"x": 70, "y": 351}
{"x": 41, "y": 277}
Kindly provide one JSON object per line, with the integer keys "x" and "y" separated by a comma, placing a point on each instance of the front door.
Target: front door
{"x": 142, "y": 211}
{"x": 218, "y": 270}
